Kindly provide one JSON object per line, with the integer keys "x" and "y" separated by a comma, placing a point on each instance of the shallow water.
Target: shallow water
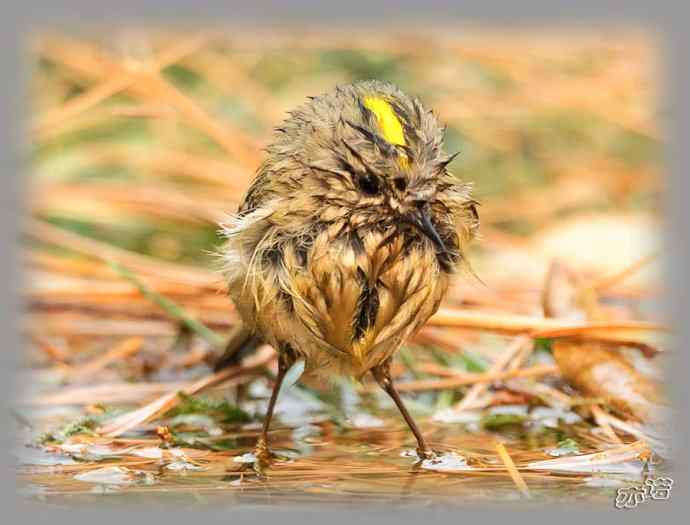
{"x": 364, "y": 460}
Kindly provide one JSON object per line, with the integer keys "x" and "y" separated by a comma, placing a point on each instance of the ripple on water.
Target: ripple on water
{"x": 181, "y": 465}
{"x": 107, "y": 476}
{"x": 364, "y": 420}
{"x": 447, "y": 462}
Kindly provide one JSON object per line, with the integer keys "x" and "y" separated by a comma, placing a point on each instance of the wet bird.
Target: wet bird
{"x": 345, "y": 242}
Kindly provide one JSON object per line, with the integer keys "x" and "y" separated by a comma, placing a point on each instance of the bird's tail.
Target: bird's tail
{"x": 241, "y": 343}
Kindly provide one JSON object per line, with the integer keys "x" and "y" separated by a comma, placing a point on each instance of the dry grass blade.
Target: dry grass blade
{"x": 103, "y": 393}
{"x": 169, "y": 306}
{"x": 147, "y": 83}
{"x": 631, "y": 332}
{"x": 53, "y": 352}
{"x": 634, "y": 429}
{"x": 540, "y": 326}
{"x": 66, "y": 266}
{"x": 598, "y": 414}
{"x": 590, "y": 462}
{"x": 512, "y": 470}
{"x": 111, "y": 86}
{"x": 128, "y": 421}
{"x": 143, "y": 264}
{"x": 456, "y": 379}
{"x": 612, "y": 280}
{"x": 78, "y": 105}
{"x": 121, "y": 351}
{"x": 66, "y": 324}
{"x": 550, "y": 395}
{"x": 478, "y": 388}
{"x": 243, "y": 150}
{"x": 595, "y": 368}
{"x": 154, "y": 201}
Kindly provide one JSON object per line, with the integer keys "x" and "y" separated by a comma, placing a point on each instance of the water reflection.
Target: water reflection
{"x": 321, "y": 462}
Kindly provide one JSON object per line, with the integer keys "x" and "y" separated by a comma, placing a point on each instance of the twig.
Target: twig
{"x": 498, "y": 365}
{"x": 512, "y": 470}
{"x": 551, "y": 396}
{"x": 633, "y": 430}
{"x": 601, "y": 420}
{"x": 520, "y": 358}
{"x": 598, "y": 414}
{"x": 637, "y": 334}
{"x": 537, "y": 326}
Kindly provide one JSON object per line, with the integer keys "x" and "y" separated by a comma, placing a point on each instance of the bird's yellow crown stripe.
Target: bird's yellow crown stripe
{"x": 388, "y": 122}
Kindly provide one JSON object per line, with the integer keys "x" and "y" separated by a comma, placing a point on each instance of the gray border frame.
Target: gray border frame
{"x": 667, "y": 18}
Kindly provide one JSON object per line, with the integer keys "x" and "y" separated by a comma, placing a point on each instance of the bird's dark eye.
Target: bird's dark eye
{"x": 400, "y": 183}
{"x": 368, "y": 183}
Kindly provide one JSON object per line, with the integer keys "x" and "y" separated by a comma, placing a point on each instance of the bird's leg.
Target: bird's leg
{"x": 262, "y": 452}
{"x": 382, "y": 375}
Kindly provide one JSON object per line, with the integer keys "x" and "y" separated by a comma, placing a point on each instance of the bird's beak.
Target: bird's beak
{"x": 421, "y": 219}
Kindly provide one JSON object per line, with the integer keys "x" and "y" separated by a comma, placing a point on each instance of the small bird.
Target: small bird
{"x": 345, "y": 242}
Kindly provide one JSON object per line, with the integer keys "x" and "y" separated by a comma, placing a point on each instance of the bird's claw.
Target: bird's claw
{"x": 426, "y": 453}
{"x": 265, "y": 457}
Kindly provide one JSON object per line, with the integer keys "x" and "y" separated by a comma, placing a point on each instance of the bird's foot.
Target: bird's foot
{"x": 265, "y": 457}
{"x": 426, "y": 453}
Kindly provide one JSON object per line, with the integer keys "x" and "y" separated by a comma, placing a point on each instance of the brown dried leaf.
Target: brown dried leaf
{"x": 598, "y": 370}
{"x": 595, "y": 368}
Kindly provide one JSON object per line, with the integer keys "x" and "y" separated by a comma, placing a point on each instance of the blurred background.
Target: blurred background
{"x": 140, "y": 141}
{"x": 144, "y": 140}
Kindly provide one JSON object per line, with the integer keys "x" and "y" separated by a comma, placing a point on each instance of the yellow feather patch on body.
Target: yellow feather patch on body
{"x": 389, "y": 124}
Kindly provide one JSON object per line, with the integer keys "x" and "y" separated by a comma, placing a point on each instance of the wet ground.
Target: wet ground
{"x": 332, "y": 459}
